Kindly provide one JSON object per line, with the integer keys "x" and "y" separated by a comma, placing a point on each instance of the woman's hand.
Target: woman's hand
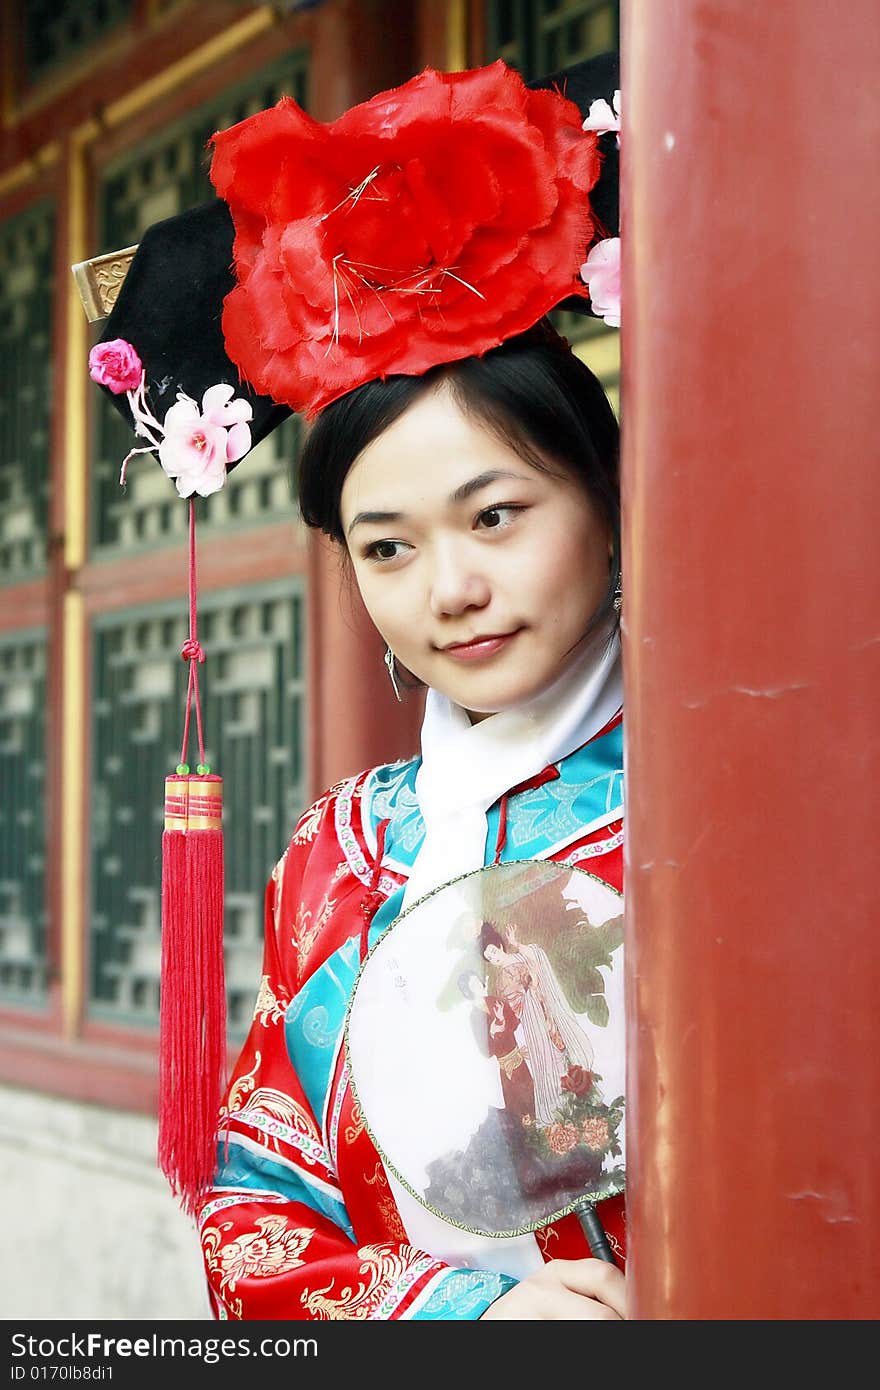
{"x": 562, "y": 1291}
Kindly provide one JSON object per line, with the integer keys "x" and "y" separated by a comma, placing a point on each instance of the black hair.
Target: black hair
{"x": 532, "y": 392}
{"x": 490, "y": 936}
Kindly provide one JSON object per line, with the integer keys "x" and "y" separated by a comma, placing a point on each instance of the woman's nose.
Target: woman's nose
{"x": 457, "y": 583}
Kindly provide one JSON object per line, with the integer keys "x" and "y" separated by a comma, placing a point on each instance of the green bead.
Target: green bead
{"x": 203, "y": 769}
{"x": 182, "y": 769}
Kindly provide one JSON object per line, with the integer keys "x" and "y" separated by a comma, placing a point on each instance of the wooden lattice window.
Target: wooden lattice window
{"x": 54, "y": 31}
{"x": 539, "y": 37}
{"x": 254, "y": 690}
{"x": 26, "y": 250}
{"x": 22, "y": 819}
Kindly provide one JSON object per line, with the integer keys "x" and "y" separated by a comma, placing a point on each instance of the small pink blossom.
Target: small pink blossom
{"x": 601, "y": 275}
{"x": 601, "y": 118}
{"x": 116, "y": 365}
{"x": 198, "y": 444}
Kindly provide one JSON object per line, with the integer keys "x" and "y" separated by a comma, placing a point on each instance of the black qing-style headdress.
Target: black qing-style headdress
{"x": 426, "y": 225}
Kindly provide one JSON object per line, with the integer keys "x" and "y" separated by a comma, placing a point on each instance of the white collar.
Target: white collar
{"x": 467, "y": 767}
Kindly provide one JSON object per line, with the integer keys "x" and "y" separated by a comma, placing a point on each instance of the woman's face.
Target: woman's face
{"x": 480, "y": 571}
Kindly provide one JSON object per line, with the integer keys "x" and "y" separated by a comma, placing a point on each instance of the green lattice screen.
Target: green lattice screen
{"x": 538, "y": 37}
{"x": 253, "y": 683}
{"x": 26, "y": 249}
{"x": 158, "y": 179}
{"x": 54, "y": 31}
{"x": 22, "y": 819}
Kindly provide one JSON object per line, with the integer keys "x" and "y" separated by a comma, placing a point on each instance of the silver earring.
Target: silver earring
{"x": 392, "y": 671}
{"x": 618, "y": 596}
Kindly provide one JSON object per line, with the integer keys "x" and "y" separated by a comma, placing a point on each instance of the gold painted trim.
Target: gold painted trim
{"x": 74, "y": 674}
{"x": 30, "y": 169}
{"x": 72, "y": 792}
{"x": 76, "y": 357}
{"x": 100, "y": 280}
{"x": 193, "y": 803}
{"x": 115, "y": 46}
{"x": 8, "y": 71}
{"x": 456, "y": 35}
{"x": 87, "y": 66}
{"x": 171, "y": 78}
{"x": 187, "y": 823}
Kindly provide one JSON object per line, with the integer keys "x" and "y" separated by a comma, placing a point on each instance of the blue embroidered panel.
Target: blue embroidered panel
{"x": 463, "y": 1293}
{"x": 588, "y": 789}
{"x": 390, "y": 794}
{"x": 243, "y": 1167}
{"x": 314, "y": 1018}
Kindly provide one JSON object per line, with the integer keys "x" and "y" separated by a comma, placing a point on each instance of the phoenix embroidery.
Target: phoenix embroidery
{"x": 274, "y": 1248}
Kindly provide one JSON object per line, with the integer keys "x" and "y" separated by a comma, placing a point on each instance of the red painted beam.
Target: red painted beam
{"x": 751, "y": 221}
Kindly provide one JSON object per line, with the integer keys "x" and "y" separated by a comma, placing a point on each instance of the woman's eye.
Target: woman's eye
{"x": 384, "y": 550}
{"x": 493, "y": 518}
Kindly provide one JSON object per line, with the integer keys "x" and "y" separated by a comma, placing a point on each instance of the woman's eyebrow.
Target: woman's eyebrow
{"x": 363, "y": 517}
{"x": 461, "y": 494}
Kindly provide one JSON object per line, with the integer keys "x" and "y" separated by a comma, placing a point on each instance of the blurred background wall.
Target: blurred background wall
{"x": 106, "y": 107}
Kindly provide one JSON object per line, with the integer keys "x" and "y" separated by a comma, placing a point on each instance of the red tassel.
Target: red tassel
{"x": 192, "y": 1017}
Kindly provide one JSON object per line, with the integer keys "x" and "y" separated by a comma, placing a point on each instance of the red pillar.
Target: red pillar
{"x": 751, "y": 223}
{"x": 360, "y": 47}
{"x": 355, "y": 719}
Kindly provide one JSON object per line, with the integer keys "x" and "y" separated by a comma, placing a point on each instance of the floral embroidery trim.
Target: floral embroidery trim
{"x": 597, "y": 848}
{"x": 348, "y": 840}
{"x": 336, "y": 1111}
{"x": 238, "y": 1198}
{"x": 312, "y": 1150}
{"x": 395, "y": 1296}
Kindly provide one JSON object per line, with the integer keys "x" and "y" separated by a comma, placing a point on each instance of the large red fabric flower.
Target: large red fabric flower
{"x": 428, "y": 224}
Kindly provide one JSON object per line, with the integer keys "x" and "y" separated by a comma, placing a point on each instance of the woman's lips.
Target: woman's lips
{"x": 480, "y": 648}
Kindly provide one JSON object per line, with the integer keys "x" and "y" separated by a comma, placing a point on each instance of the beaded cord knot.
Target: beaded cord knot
{"x": 192, "y": 652}
{"x": 374, "y": 897}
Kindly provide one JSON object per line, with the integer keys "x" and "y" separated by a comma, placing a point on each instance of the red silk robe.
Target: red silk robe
{"x": 301, "y": 1222}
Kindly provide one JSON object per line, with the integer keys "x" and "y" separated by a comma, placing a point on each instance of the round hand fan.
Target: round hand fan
{"x": 485, "y": 1038}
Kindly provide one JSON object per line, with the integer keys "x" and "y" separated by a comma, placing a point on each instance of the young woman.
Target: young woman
{"x": 393, "y": 272}
{"x": 477, "y": 505}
